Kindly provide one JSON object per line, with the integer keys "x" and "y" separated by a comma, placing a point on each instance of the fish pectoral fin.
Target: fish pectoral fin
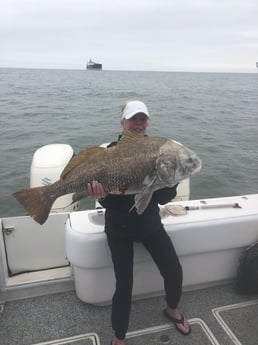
{"x": 141, "y": 201}
{"x": 80, "y": 158}
{"x": 148, "y": 182}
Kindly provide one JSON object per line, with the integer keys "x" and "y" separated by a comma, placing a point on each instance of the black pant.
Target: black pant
{"x": 160, "y": 247}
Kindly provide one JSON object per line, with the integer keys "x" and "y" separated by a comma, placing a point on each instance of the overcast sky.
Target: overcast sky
{"x": 166, "y": 35}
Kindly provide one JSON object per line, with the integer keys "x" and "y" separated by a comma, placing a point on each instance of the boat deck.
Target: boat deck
{"x": 218, "y": 316}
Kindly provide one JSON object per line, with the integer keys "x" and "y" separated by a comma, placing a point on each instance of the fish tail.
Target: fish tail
{"x": 36, "y": 202}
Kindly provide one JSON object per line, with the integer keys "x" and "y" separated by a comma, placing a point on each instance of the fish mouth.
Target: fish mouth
{"x": 197, "y": 170}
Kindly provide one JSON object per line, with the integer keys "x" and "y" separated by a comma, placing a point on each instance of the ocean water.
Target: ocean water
{"x": 215, "y": 114}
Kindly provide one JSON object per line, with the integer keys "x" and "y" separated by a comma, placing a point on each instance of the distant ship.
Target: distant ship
{"x": 256, "y": 64}
{"x": 91, "y": 65}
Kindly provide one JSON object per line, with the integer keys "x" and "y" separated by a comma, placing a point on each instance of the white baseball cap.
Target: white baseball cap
{"x": 134, "y": 107}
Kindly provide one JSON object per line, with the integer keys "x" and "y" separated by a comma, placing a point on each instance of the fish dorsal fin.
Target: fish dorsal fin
{"x": 81, "y": 157}
{"x": 129, "y": 137}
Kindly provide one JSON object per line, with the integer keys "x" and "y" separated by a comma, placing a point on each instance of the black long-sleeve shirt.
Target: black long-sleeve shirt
{"x": 120, "y": 221}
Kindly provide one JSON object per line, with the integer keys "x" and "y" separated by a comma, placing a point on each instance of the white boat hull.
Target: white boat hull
{"x": 208, "y": 242}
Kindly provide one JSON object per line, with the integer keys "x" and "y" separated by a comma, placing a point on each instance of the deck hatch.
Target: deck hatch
{"x": 82, "y": 339}
{"x": 238, "y": 322}
{"x": 167, "y": 334}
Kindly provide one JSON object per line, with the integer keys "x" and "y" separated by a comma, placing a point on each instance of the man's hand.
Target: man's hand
{"x": 96, "y": 190}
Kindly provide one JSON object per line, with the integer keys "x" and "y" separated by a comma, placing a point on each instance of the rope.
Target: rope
{"x": 172, "y": 210}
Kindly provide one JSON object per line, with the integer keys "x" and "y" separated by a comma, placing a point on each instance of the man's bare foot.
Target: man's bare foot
{"x": 180, "y": 322}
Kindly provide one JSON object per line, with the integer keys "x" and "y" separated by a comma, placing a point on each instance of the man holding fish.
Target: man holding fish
{"x": 141, "y": 224}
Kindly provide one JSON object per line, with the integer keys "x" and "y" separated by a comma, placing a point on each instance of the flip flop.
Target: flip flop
{"x": 176, "y": 322}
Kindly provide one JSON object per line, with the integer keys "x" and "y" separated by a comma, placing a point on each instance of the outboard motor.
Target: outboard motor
{"x": 47, "y": 165}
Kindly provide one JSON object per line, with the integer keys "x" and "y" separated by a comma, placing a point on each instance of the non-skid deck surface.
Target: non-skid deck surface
{"x": 63, "y": 319}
